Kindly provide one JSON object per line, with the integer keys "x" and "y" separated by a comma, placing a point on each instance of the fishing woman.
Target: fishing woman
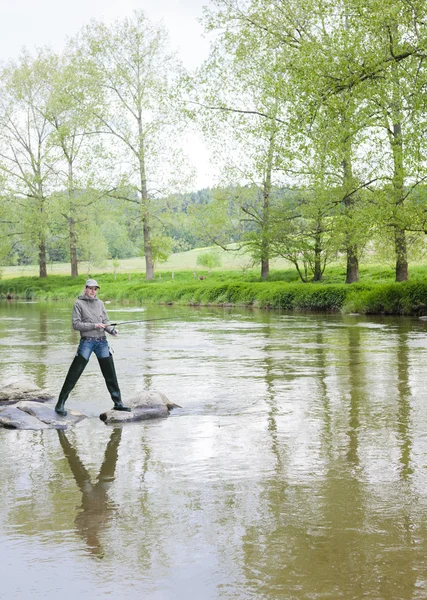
{"x": 91, "y": 319}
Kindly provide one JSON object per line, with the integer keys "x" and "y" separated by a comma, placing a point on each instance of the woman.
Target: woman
{"x": 91, "y": 319}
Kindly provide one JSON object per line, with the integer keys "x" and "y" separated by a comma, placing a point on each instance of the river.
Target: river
{"x": 295, "y": 469}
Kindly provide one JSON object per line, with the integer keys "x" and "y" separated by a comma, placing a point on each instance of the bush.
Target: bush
{"x": 408, "y": 298}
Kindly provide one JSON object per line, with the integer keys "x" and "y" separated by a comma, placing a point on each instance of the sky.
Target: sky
{"x": 33, "y": 23}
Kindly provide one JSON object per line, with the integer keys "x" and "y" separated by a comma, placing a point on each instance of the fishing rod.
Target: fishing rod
{"x": 142, "y": 321}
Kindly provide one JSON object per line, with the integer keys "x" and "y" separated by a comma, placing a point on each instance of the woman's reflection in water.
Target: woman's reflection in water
{"x": 97, "y": 509}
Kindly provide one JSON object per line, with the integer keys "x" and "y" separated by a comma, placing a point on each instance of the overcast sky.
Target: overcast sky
{"x": 33, "y": 23}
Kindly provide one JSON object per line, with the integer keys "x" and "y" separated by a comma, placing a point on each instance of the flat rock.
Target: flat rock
{"x": 13, "y": 418}
{"x": 13, "y": 391}
{"x": 145, "y": 405}
{"x": 47, "y": 414}
{"x": 33, "y": 415}
{"x": 141, "y": 413}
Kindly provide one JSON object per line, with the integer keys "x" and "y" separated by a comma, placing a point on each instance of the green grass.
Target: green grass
{"x": 184, "y": 264}
{"x": 181, "y": 261}
{"x": 408, "y": 298}
{"x": 376, "y": 293}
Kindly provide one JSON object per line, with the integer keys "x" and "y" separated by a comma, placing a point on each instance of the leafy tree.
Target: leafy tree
{"x": 304, "y": 233}
{"x": 243, "y": 99}
{"x": 81, "y": 176}
{"x": 161, "y": 248}
{"x": 132, "y": 83}
{"x": 28, "y": 160}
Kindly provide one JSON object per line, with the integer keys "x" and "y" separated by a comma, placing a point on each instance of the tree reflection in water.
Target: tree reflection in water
{"x": 96, "y": 509}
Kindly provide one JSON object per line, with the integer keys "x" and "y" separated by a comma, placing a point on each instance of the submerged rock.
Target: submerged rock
{"x": 33, "y": 415}
{"x": 13, "y": 391}
{"x": 145, "y": 405}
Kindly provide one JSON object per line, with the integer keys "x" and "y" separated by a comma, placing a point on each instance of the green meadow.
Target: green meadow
{"x": 181, "y": 281}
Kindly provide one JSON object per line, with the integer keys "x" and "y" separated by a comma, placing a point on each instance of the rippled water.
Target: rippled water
{"x": 296, "y": 467}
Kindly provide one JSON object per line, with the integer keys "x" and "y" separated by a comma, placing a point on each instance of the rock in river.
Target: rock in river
{"x": 13, "y": 391}
{"x": 33, "y": 415}
{"x": 145, "y": 405}
{"x": 21, "y": 407}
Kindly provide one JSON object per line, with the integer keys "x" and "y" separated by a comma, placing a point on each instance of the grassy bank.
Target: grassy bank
{"x": 232, "y": 288}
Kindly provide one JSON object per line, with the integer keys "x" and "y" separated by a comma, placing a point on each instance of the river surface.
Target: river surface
{"x": 295, "y": 469}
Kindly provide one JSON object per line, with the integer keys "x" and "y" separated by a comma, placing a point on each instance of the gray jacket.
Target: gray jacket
{"x": 86, "y": 313}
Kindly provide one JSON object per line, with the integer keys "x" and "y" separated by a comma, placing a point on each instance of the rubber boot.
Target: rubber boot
{"x": 76, "y": 369}
{"x": 109, "y": 373}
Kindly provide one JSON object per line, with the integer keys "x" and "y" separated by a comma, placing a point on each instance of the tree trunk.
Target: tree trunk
{"x": 400, "y": 246}
{"x": 265, "y": 243}
{"x": 396, "y": 140}
{"x": 145, "y": 203}
{"x": 42, "y": 238}
{"x": 352, "y": 275}
{"x": 73, "y": 248}
{"x": 71, "y": 222}
{"x": 149, "y": 265}
{"x": 265, "y": 268}
{"x": 317, "y": 257}
{"x": 42, "y": 259}
{"x": 265, "y": 233}
{"x": 402, "y": 273}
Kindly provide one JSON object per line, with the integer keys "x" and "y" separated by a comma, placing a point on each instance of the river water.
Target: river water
{"x": 296, "y": 467}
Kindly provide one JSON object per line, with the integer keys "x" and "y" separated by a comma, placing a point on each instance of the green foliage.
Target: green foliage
{"x": 117, "y": 237}
{"x": 407, "y": 298}
{"x": 94, "y": 248}
{"x": 161, "y": 248}
{"x": 210, "y": 260}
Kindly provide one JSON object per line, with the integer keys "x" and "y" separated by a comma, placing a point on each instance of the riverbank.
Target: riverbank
{"x": 407, "y": 298}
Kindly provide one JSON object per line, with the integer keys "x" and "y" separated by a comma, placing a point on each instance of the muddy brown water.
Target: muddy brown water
{"x": 296, "y": 468}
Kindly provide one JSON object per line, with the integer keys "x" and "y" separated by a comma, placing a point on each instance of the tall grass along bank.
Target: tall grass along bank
{"x": 407, "y": 298}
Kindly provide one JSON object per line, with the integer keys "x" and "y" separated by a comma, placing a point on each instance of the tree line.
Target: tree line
{"x": 315, "y": 113}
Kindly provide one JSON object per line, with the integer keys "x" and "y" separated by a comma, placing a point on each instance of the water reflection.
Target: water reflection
{"x": 97, "y": 509}
{"x": 404, "y": 405}
{"x": 297, "y": 468}
{"x": 355, "y": 363}
{"x": 40, "y": 368}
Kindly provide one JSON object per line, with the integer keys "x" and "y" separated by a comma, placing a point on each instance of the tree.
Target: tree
{"x": 132, "y": 86}
{"x": 242, "y": 98}
{"x": 82, "y": 171}
{"x": 28, "y": 159}
{"x": 304, "y": 229}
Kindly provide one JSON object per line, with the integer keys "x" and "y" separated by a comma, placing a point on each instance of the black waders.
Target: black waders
{"x": 76, "y": 369}
{"x": 109, "y": 373}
